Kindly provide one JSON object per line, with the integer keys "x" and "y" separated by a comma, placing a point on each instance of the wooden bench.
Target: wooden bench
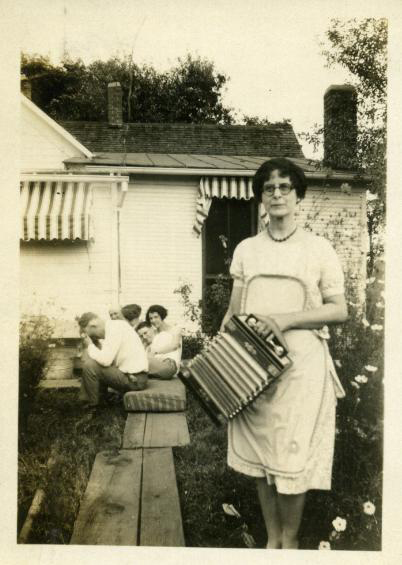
{"x": 132, "y": 496}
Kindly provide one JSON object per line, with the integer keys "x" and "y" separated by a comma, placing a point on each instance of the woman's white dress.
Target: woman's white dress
{"x": 287, "y": 434}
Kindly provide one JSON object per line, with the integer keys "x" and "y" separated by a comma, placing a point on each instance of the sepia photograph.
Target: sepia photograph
{"x": 202, "y": 262}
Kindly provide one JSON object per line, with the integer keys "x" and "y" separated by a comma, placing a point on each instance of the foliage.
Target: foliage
{"x": 193, "y": 337}
{"x": 358, "y": 350}
{"x": 360, "y": 47}
{"x": 35, "y": 335}
{"x": 257, "y": 121}
{"x": 189, "y": 92}
{"x": 205, "y": 316}
{"x": 215, "y": 304}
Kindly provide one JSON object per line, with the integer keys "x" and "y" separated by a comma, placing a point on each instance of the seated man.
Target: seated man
{"x": 161, "y": 365}
{"x": 121, "y": 363}
{"x": 131, "y": 313}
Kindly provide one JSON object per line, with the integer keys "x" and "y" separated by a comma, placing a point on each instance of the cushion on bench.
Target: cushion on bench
{"x": 159, "y": 396}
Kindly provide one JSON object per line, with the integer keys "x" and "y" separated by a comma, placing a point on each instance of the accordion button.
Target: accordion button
{"x": 293, "y": 447}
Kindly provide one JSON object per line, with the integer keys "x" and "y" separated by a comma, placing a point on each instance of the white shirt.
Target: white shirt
{"x": 162, "y": 340}
{"x": 121, "y": 348}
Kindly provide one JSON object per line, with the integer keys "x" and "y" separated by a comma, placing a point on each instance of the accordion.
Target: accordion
{"x": 236, "y": 367}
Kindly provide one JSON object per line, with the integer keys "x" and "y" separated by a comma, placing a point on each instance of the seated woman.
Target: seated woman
{"x": 163, "y": 343}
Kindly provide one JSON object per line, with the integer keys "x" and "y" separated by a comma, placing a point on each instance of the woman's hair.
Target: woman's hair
{"x": 131, "y": 311}
{"x": 286, "y": 168}
{"x": 158, "y": 309}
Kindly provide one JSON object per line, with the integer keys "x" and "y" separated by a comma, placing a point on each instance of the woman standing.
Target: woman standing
{"x": 291, "y": 278}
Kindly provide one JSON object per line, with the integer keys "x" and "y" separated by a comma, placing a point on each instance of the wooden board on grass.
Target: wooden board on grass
{"x": 166, "y": 429}
{"x": 134, "y": 430}
{"x": 161, "y": 522}
{"x": 109, "y": 511}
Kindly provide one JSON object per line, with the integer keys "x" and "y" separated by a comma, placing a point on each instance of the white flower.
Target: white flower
{"x": 355, "y": 384}
{"x": 338, "y": 363}
{"x": 368, "y": 508}
{"x": 365, "y": 323}
{"x": 339, "y": 524}
{"x": 371, "y": 368}
{"x": 370, "y": 280}
{"x": 362, "y": 379}
{"x": 324, "y": 545}
{"x": 376, "y": 327}
{"x": 230, "y": 510}
{"x": 380, "y": 304}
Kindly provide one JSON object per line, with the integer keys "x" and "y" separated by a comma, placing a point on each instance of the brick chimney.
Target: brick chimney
{"x": 26, "y": 87}
{"x": 340, "y": 127}
{"x": 115, "y": 108}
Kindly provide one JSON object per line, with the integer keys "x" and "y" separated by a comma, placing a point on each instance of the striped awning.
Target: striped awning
{"x": 55, "y": 209}
{"x": 219, "y": 187}
{"x": 228, "y": 187}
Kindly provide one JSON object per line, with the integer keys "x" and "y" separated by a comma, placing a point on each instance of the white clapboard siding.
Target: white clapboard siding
{"x": 41, "y": 146}
{"x": 64, "y": 279}
{"x": 158, "y": 245}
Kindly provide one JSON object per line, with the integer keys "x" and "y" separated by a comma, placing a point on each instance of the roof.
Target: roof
{"x": 199, "y": 165}
{"x": 184, "y": 161}
{"x": 276, "y": 140}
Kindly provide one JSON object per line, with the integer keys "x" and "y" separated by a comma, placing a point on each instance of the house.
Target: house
{"x": 120, "y": 213}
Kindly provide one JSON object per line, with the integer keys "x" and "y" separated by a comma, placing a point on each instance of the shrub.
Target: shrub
{"x": 215, "y": 304}
{"x": 345, "y": 520}
{"x": 35, "y": 335}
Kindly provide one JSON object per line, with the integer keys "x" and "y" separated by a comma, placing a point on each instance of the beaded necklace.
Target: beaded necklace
{"x": 279, "y": 240}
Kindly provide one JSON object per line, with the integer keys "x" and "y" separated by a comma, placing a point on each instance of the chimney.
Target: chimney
{"x": 26, "y": 87}
{"x": 340, "y": 127}
{"x": 115, "y": 108}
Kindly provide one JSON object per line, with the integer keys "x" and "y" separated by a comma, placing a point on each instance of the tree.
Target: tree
{"x": 190, "y": 92}
{"x": 360, "y": 46}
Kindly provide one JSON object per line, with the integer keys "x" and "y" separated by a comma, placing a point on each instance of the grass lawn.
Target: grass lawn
{"x": 52, "y": 427}
{"x": 205, "y": 482}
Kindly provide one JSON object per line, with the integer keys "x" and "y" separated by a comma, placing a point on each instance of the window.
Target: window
{"x": 229, "y": 222}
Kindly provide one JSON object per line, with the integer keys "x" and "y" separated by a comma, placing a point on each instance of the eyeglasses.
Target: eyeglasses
{"x": 284, "y": 188}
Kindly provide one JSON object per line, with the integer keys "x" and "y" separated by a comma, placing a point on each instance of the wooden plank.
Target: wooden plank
{"x": 161, "y": 523}
{"x": 134, "y": 430}
{"x": 60, "y": 383}
{"x": 109, "y": 512}
{"x": 166, "y": 429}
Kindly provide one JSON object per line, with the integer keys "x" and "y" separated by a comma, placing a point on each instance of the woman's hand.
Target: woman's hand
{"x": 275, "y": 324}
{"x": 283, "y": 321}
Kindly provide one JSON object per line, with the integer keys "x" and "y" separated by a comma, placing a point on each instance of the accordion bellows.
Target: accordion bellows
{"x": 235, "y": 368}
{"x": 159, "y": 396}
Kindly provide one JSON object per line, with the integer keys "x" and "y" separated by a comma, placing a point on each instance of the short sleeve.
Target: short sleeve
{"x": 236, "y": 267}
{"x": 332, "y": 279}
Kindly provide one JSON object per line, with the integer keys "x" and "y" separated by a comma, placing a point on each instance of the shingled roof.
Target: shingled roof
{"x": 276, "y": 140}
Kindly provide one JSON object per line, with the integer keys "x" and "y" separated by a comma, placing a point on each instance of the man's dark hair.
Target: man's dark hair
{"x": 85, "y": 318}
{"x": 158, "y": 309}
{"x": 286, "y": 168}
{"x": 131, "y": 311}
{"x": 142, "y": 325}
